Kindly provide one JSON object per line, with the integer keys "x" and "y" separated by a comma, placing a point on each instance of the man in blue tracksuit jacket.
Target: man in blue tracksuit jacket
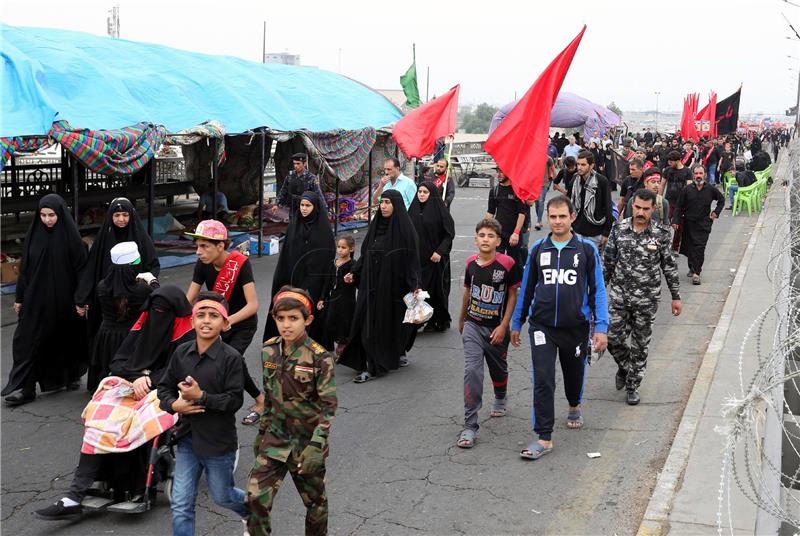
{"x": 562, "y": 293}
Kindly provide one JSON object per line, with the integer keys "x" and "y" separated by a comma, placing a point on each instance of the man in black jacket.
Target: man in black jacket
{"x": 591, "y": 197}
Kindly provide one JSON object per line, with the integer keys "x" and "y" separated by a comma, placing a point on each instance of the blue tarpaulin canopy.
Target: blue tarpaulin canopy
{"x": 103, "y": 83}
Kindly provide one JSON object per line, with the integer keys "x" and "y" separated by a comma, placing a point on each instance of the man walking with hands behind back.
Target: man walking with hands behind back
{"x": 695, "y": 214}
{"x": 638, "y": 250}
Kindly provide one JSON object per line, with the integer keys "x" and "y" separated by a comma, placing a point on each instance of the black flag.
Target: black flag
{"x": 727, "y": 114}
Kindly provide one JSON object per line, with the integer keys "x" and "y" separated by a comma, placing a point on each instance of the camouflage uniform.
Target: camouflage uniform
{"x": 300, "y": 405}
{"x": 293, "y": 188}
{"x": 633, "y": 262}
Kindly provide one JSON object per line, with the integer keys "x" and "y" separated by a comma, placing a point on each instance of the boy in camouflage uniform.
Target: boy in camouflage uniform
{"x": 637, "y": 251}
{"x": 294, "y": 428}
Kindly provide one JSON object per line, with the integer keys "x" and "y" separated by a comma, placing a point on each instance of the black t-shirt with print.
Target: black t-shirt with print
{"x": 488, "y": 287}
{"x": 206, "y": 274}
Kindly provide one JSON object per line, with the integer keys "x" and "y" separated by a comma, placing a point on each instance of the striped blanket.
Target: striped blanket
{"x": 115, "y": 422}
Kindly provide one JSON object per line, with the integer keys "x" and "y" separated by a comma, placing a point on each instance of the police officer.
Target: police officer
{"x": 637, "y": 251}
{"x": 298, "y": 180}
{"x": 300, "y": 406}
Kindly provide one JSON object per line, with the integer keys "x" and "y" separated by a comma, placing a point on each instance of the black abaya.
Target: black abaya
{"x": 149, "y": 345}
{"x": 386, "y": 271}
{"x": 120, "y": 298}
{"x": 307, "y": 252}
{"x": 336, "y": 318}
{"x": 49, "y": 345}
{"x": 99, "y": 264}
{"x": 435, "y": 230}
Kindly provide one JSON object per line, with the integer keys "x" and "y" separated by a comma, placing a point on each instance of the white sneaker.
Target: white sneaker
{"x": 244, "y": 522}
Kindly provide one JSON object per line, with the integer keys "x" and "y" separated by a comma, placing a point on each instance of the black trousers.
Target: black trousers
{"x": 240, "y": 339}
{"x": 570, "y": 345}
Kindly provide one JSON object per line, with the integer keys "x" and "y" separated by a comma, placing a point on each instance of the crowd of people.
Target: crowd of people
{"x": 592, "y": 283}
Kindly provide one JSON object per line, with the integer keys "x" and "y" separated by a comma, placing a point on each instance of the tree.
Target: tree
{"x": 614, "y": 108}
{"x": 477, "y": 121}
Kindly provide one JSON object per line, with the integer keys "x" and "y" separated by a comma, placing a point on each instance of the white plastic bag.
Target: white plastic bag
{"x": 418, "y": 310}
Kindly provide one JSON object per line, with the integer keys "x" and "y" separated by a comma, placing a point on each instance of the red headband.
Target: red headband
{"x": 295, "y": 296}
{"x": 210, "y": 303}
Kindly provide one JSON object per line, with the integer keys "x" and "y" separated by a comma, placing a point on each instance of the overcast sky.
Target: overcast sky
{"x": 494, "y": 48}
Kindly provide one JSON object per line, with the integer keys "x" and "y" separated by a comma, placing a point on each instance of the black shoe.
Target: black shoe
{"x": 403, "y": 361}
{"x": 74, "y": 386}
{"x": 633, "y": 397}
{"x": 619, "y": 381}
{"x": 58, "y": 511}
{"x": 19, "y": 398}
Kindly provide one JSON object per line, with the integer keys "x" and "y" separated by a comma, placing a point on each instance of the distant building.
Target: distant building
{"x": 395, "y": 96}
{"x": 282, "y": 57}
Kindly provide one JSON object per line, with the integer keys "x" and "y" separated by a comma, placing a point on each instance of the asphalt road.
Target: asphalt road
{"x": 394, "y": 467}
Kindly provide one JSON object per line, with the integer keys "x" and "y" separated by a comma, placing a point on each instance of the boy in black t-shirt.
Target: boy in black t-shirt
{"x": 230, "y": 274}
{"x": 491, "y": 281}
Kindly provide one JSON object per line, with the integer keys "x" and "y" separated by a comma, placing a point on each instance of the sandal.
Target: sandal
{"x": 498, "y": 408}
{"x": 251, "y": 418}
{"x": 538, "y": 226}
{"x": 534, "y": 451}
{"x": 362, "y": 377}
{"x": 467, "y": 439}
{"x": 574, "y": 419}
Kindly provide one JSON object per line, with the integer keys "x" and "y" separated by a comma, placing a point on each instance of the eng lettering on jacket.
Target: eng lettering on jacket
{"x": 552, "y": 276}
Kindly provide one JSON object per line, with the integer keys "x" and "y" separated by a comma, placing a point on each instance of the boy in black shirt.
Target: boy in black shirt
{"x": 230, "y": 274}
{"x": 491, "y": 280}
{"x": 203, "y": 383}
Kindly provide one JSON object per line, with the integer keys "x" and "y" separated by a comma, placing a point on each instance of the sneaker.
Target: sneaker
{"x": 403, "y": 361}
{"x": 58, "y": 511}
{"x": 696, "y": 279}
{"x": 246, "y": 532}
{"x": 633, "y": 397}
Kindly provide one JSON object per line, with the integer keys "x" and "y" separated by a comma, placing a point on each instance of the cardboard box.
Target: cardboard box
{"x": 270, "y": 245}
{"x": 9, "y": 271}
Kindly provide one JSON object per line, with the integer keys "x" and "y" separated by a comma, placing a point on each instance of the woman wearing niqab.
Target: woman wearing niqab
{"x": 387, "y": 270}
{"x": 308, "y": 250}
{"x": 49, "y": 346}
{"x": 436, "y": 230}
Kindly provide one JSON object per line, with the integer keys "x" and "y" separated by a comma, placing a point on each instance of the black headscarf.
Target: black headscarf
{"x": 150, "y": 343}
{"x": 387, "y": 270}
{"x": 434, "y": 224}
{"x": 99, "y": 263}
{"x": 51, "y": 261}
{"x": 307, "y": 252}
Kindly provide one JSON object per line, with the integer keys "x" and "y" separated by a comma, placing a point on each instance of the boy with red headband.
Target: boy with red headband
{"x": 295, "y": 426}
{"x": 204, "y": 384}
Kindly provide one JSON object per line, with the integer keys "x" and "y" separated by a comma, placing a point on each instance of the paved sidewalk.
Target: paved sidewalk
{"x": 686, "y": 499}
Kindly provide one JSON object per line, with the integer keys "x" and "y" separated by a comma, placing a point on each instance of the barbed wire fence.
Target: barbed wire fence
{"x": 762, "y": 421}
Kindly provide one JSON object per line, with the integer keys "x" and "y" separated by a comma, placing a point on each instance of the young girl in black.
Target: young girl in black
{"x": 338, "y": 299}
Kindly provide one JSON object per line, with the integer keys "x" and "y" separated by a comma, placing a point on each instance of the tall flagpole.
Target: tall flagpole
{"x": 447, "y": 172}
{"x": 427, "y": 83}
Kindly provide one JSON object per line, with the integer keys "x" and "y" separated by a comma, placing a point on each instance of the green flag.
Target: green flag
{"x": 409, "y": 83}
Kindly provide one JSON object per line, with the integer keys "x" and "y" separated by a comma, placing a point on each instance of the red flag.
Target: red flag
{"x": 519, "y": 144}
{"x": 416, "y": 133}
{"x": 707, "y": 117}
{"x": 688, "y": 128}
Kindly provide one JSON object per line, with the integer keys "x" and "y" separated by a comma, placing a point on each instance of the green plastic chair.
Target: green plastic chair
{"x": 749, "y": 196}
{"x": 729, "y": 179}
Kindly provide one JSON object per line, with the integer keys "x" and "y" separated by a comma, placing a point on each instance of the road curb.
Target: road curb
{"x": 656, "y": 517}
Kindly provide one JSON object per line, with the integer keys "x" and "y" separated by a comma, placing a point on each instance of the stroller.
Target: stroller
{"x": 129, "y": 482}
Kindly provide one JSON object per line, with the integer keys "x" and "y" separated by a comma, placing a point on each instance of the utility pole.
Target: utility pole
{"x": 657, "y": 94}
{"x": 264, "y": 44}
{"x": 112, "y": 22}
{"x": 427, "y": 83}
{"x": 340, "y": 60}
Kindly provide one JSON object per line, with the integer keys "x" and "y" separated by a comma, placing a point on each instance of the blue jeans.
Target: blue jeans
{"x": 712, "y": 173}
{"x": 541, "y": 202}
{"x": 219, "y": 476}
{"x": 731, "y": 192}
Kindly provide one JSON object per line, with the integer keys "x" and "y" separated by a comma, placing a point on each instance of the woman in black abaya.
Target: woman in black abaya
{"x": 122, "y": 224}
{"x": 387, "y": 270}
{"x": 49, "y": 345}
{"x": 120, "y": 296}
{"x": 435, "y": 230}
{"x": 307, "y": 252}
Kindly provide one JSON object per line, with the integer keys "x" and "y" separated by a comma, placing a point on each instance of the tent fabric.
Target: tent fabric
{"x": 103, "y": 83}
{"x": 18, "y": 144}
{"x": 570, "y": 111}
{"x": 344, "y": 151}
{"x": 111, "y": 152}
{"x": 207, "y": 129}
